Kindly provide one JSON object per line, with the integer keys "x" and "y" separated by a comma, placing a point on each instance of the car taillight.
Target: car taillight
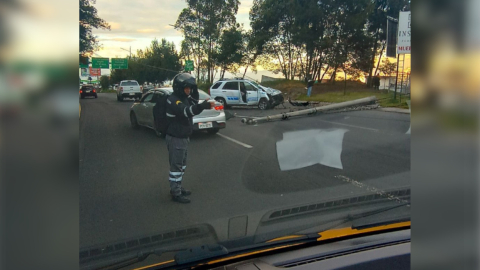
{"x": 81, "y": 91}
{"x": 219, "y": 108}
{"x": 94, "y": 90}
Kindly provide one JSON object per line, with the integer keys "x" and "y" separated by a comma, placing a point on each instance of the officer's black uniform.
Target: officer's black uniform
{"x": 180, "y": 112}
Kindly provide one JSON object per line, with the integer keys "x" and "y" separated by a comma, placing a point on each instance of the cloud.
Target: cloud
{"x": 245, "y": 7}
{"x": 118, "y": 39}
{"x": 114, "y": 25}
{"x": 148, "y": 30}
{"x": 243, "y": 10}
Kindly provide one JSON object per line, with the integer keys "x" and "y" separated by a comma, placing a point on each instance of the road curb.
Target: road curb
{"x": 393, "y": 110}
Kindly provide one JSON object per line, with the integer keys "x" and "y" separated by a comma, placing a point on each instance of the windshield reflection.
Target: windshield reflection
{"x": 300, "y": 149}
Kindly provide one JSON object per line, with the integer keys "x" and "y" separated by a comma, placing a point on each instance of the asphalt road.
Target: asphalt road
{"x": 124, "y": 189}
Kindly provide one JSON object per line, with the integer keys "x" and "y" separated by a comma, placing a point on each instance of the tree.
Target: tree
{"x": 250, "y": 52}
{"x": 104, "y": 82}
{"x": 305, "y": 36}
{"x": 387, "y": 68}
{"x": 272, "y": 22}
{"x": 202, "y": 23}
{"x": 89, "y": 20}
{"x": 230, "y": 51}
{"x": 377, "y": 24}
{"x": 157, "y": 63}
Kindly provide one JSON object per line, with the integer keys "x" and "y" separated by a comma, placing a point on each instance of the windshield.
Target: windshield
{"x": 129, "y": 83}
{"x": 331, "y": 144}
{"x": 257, "y": 85}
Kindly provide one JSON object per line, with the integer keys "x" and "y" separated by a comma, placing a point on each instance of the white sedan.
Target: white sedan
{"x": 141, "y": 112}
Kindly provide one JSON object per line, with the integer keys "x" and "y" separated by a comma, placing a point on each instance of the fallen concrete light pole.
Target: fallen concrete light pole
{"x": 283, "y": 116}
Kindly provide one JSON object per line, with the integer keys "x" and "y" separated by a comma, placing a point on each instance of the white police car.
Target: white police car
{"x": 242, "y": 92}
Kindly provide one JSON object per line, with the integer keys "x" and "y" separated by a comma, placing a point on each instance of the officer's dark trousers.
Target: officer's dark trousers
{"x": 177, "y": 154}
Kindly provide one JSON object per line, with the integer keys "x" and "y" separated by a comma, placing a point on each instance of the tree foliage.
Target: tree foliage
{"x": 377, "y": 24}
{"x": 307, "y": 37}
{"x": 104, "y": 82}
{"x": 156, "y": 63}
{"x": 202, "y": 23}
{"x": 229, "y": 55}
{"x": 310, "y": 37}
{"x": 89, "y": 20}
{"x": 387, "y": 68}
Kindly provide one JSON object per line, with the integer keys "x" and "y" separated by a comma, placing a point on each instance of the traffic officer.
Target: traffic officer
{"x": 182, "y": 105}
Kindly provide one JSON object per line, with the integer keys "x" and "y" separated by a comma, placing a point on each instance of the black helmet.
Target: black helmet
{"x": 183, "y": 80}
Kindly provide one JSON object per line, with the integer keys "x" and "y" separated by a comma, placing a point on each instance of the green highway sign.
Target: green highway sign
{"x": 100, "y": 62}
{"x": 188, "y": 65}
{"x": 119, "y": 63}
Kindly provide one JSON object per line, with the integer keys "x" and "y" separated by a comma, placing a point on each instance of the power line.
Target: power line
{"x": 160, "y": 68}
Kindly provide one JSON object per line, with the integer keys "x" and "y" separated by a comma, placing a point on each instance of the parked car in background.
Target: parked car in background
{"x": 129, "y": 89}
{"x": 141, "y": 112}
{"x": 88, "y": 90}
{"x": 242, "y": 92}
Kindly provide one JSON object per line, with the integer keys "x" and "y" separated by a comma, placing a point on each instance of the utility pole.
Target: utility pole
{"x": 130, "y": 51}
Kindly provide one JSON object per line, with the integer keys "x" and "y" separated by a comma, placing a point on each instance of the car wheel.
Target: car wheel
{"x": 221, "y": 100}
{"x": 213, "y": 130}
{"x": 263, "y": 104}
{"x": 133, "y": 121}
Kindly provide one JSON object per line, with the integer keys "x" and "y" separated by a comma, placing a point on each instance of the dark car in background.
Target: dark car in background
{"x": 88, "y": 91}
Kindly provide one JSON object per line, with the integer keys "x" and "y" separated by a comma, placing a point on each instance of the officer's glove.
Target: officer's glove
{"x": 205, "y": 105}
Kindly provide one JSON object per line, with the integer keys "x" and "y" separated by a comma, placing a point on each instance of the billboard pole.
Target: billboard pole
{"x": 396, "y": 79}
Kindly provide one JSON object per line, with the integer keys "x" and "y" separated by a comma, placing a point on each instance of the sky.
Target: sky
{"x": 134, "y": 24}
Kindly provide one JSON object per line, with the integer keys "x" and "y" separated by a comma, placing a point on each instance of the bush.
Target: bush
{"x": 204, "y": 86}
{"x": 104, "y": 82}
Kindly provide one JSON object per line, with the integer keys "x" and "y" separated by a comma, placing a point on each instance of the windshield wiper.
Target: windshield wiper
{"x": 362, "y": 225}
{"x": 359, "y": 220}
{"x": 183, "y": 256}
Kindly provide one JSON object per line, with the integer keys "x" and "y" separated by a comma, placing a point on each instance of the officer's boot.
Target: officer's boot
{"x": 176, "y": 192}
{"x": 185, "y": 192}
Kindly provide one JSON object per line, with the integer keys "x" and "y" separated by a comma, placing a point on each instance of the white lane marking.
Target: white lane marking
{"x": 371, "y": 189}
{"x": 371, "y": 129}
{"x": 235, "y": 141}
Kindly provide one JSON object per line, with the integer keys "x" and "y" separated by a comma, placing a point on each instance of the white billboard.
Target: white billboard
{"x": 404, "y": 45}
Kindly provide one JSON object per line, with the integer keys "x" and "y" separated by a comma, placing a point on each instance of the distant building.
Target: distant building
{"x": 387, "y": 82}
